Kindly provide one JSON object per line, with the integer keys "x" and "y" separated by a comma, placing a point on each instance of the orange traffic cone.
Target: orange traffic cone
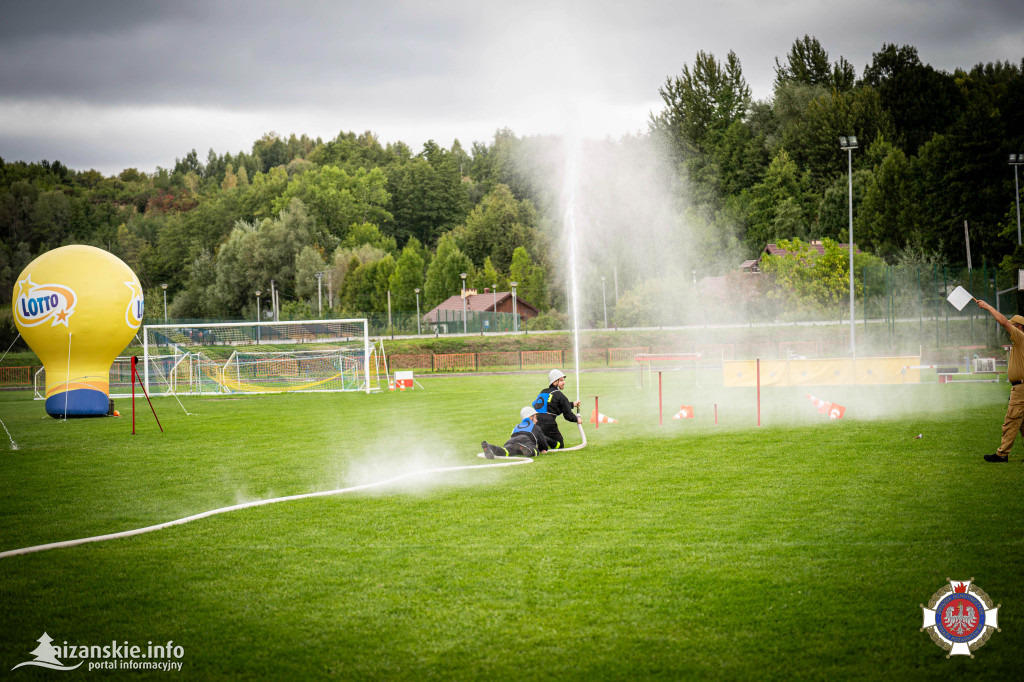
{"x": 833, "y": 410}
{"x": 685, "y": 412}
{"x": 822, "y": 405}
{"x": 598, "y": 418}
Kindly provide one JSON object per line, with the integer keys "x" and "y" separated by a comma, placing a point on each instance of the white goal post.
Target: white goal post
{"x": 258, "y": 357}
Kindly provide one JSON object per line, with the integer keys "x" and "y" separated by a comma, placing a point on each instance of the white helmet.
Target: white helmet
{"x": 527, "y": 412}
{"x": 554, "y": 375}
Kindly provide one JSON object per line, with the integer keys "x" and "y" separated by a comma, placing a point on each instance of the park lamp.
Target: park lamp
{"x": 164, "y": 287}
{"x": 848, "y": 143}
{"x": 464, "y": 327}
{"x": 515, "y": 311}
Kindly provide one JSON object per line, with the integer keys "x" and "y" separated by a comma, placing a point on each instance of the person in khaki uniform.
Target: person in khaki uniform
{"x": 1015, "y": 375}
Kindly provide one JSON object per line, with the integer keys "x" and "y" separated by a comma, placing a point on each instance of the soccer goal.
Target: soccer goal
{"x": 650, "y": 364}
{"x": 258, "y": 357}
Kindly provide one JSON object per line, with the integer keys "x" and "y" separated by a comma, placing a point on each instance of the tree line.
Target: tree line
{"x": 372, "y": 218}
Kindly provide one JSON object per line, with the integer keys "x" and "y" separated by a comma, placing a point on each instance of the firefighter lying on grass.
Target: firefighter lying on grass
{"x": 527, "y": 440}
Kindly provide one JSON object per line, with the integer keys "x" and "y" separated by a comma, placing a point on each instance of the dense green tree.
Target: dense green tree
{"x": 336, "y": 200}
{"x": 530, "y": 277}
{"x": 408, "y": 276}
{"x": 253, "y": 255}
{"x": 920, "y": 100}
{"x": 443, "y": 278}
{"x": 426, "y": 199}
{"x": 496, "y": 227}
{"x": 777, "y": 205}
{"x": 709, "y": 96}
{"x": 890, "y": 210}
{"x": 308, "y": 262}
{"x": 808, "y": 63}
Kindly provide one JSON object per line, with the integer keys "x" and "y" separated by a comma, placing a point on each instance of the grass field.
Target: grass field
{"x": 800, "y": 549}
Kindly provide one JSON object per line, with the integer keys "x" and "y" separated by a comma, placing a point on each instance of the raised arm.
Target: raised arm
{"x": 996, "y": 315}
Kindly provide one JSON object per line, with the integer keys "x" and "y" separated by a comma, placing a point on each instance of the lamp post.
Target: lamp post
{"x": 417, "y": 311}
{"x": 1016, "y": 160}
{"x": 494, "y": 306}
{"x": 515, "y": 312}
{"x": 464, "y": 329}
{"x": 164, "y": 286}
{"x": 273, "y": 300}
{"x": 319, "y": 300}
{"x": 848, "y": 143}
{"x": 259, "y": 314}
{"x": 604, "y": 301}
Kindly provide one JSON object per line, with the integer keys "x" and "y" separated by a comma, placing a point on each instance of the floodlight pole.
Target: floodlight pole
{"x": 848, "y": 143}
{"x": 494, "y": 306}
{"x": 164, "y": 286}
{"x": 417, "y": 312}
{"x": 465, "y": 330}
{"x": 1016, "y": 160}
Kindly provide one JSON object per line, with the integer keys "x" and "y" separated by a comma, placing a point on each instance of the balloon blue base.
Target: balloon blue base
{"x": 80, "y": 402}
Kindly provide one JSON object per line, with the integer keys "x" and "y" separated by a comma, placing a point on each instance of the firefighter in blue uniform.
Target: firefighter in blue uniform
{"x": 550, "y": 403}
{"x": 527, "y": 440}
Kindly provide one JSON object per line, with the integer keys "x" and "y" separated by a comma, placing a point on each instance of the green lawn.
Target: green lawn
{"x": 800, "y": 549}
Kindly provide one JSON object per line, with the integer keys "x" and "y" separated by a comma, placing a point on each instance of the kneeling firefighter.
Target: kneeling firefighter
{"x": 550, "y": 403}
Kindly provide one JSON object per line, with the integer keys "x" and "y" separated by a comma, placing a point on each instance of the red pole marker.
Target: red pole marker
{"x": 716, "y": 414}
{"x": 145, "y": 393}
{"x": 597, "y": 422}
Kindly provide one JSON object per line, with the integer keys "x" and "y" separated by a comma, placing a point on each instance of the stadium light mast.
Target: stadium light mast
{"x": 164, "y": 287}
{"x": 494, "y": 305}
{"x": 848, "y": 143}
{"x": 463, "y": 276}
{"x": 1016, "y": 160}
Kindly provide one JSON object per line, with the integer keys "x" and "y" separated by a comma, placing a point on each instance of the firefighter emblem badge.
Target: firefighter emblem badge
{"x": 960, "y": 617}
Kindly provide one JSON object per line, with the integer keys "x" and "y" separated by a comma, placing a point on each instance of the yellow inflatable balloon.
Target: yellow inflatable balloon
{"x": 77, "y": 307}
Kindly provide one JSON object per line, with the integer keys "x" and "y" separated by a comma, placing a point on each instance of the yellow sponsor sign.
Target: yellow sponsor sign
{"x": 823, "y": 372}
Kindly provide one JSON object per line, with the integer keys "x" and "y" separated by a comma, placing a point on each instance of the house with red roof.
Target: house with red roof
{"x": 450, "y": 310}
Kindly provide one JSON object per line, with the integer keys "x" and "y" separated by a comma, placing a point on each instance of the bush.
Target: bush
{"x": 546, "y": 321}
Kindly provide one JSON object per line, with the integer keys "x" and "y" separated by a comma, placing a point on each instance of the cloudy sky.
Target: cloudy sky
{"x": 135, "y": 83}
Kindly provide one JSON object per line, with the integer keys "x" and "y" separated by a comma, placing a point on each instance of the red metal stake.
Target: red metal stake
{"x": 145, "y": 393}
{"x": 597, "y": 413}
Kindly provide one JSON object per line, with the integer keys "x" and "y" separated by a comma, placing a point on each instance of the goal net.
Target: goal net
{"x": 258, "y": 357}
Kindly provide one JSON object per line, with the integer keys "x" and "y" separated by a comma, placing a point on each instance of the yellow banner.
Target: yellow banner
{"x": 823, "y": 372}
